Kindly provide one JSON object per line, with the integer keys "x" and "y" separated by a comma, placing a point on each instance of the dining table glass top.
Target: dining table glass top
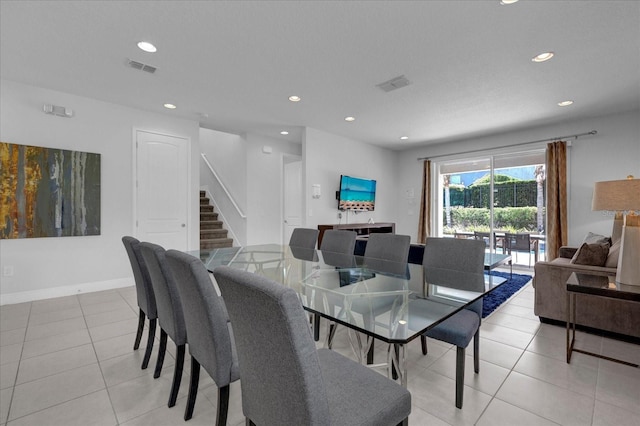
{"x": 393, "y": 302}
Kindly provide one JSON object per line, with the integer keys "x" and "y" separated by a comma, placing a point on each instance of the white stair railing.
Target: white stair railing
{"x": 224, "y": 188}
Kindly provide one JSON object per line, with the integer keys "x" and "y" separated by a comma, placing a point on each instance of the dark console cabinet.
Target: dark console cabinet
{"x": 362, "y": 229}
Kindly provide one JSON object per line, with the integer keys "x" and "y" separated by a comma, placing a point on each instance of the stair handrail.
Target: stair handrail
{"x": 226, "y": 191}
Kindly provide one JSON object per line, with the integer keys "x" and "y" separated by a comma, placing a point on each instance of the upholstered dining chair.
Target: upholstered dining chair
{"x": 460, "y": 256}
{"x": 211, "y": 342}
{"x": 170, "y": 314}
{"x": 304, "y": 238}
{"x": 336, "y": 244}
{"x": 338, "y": 241}
{"x": 392, "y": 248}
{"x": 285, "y": 379}
{"x": 389, "y": 247}
{"x": 145, "y": 296}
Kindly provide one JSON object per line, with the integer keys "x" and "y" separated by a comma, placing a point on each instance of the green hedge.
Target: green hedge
{"x": 513, "y": 219}
{"x": 508, "y": 193}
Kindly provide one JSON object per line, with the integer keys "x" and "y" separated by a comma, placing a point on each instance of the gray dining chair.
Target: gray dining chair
{"x": 211, "y": 342}
{"x": 304, "y": 238}
{"x": 390, "y": 247}
{"x": 460, "y": 256}
{"x": 335, "y": 242}
{"x": 170, "y": 316}
{"x": 285, "y": 379}
{"x": 144, "y": 295}
{"x": 338, "y": 241}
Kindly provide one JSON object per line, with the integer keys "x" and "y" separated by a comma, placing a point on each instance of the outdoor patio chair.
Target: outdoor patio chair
{"x": 521, "y": 243}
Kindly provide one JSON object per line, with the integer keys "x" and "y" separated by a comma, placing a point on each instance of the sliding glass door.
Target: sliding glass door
{"x": 497, "y": 198}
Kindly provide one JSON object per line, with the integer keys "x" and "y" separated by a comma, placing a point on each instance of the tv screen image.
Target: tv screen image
{"x": 357, "y": 194}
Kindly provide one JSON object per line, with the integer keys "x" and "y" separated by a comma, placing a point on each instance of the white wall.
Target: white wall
{"x": 227, "y": 154}
{"x": 264, "y": 186}
{"x": 612, "y": 154}
{"x": 48, "y": 267}
{"x": 327, "y": 156}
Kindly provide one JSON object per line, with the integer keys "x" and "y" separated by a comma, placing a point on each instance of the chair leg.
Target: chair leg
{"x": 141, "y": 319}
{"x": 459, "y": 376}
{"x": 161, "y": 351}
{"x": 404, "y": 422}
{"x": 370, "y": 351}
{"x": 223, "y": 405}
{"x": 193, "y": 388}
{"x": 152, "y": 335}
{"x": 423, "y": 341}
{"x": 248, "y": 422}
{"x": 177, "y": 375}
{"x": 476, "y": 352}
{"x": 331, "y": 334}
{"x": 316, "y": 327}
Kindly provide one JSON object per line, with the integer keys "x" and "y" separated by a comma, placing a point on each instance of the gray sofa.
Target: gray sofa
{"x": 611, "y": 315}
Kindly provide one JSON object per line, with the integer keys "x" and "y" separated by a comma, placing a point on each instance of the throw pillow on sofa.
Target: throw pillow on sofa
{"x": 591, "y": 254}
{"x": 612, "y": 258}
{"x": 592, "y": 238}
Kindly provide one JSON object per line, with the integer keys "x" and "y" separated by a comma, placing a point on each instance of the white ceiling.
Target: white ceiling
{"x": 232, "y": 65}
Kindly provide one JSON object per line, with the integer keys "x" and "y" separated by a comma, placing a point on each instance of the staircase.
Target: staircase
{"x": 212, "y": 235}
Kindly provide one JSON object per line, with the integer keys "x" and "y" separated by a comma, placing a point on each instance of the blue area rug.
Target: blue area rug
{"x": 503, "y": 292}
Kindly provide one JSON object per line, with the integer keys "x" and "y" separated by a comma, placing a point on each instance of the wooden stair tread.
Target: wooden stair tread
{"x": 212, "y": 233}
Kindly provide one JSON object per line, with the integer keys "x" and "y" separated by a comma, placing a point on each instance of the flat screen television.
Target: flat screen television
{"x": 356, "y": 194}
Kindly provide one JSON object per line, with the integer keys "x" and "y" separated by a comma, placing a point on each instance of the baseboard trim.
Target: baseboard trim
{"x": 70, "y": 290}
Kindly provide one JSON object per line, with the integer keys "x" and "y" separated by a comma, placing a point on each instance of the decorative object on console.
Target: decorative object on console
{"x": 623, "y": 195}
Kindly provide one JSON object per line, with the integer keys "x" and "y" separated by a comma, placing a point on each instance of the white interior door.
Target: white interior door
{"x": 162, "y": 189}
{"x": 292, "y": 197}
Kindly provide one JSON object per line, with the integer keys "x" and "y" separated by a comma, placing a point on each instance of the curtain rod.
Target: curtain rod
{"x": 576, "y": 136}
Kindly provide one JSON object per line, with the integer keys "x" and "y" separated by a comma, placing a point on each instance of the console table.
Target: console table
{"x": 362, "y": 229}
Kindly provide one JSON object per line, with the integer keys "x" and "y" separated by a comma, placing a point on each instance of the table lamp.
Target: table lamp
{"x": 623, "y": 196}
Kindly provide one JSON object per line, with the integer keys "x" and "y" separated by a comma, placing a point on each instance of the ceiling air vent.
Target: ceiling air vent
{"x": 140, "y": 66}
{"x": 394, "y": 83}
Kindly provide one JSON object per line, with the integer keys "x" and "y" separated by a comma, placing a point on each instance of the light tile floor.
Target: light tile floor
{"x": 69, "y": 361}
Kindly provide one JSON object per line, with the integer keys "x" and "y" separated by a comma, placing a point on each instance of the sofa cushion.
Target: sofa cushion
{"x": 591, "y": 254}
{"x": 592, "y": 238}
{"x": 612, "y": 258}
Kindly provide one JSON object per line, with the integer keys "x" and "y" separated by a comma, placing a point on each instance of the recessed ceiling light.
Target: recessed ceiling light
{"x": 170, "y": 106}
{"x": 284, "y": 132}
{"x": 543, "y": 57}
{"x": 565, "y": 103}
{"x": 147, "y": 47}
{"x": 508, "y": 1}
{"x": 294, "y": 98}
{"x": 349, "y": 119}
{"x": 404, "y": 138}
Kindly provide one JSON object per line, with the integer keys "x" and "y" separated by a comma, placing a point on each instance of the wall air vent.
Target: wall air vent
{"x": 394, "y": 83}
{"x": 140, "y": 66}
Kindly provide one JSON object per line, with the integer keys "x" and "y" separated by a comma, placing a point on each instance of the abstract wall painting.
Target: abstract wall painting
{"x": 48, "y": 192}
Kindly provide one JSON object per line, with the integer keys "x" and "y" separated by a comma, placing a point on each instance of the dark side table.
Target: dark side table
{"x": 594, "y": 286}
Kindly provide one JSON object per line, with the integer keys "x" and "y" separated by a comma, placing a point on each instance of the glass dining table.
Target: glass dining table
{"x": 374, "y": 299}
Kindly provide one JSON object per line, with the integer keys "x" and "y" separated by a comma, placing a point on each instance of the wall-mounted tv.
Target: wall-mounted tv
{"x": 356, "y": 194}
